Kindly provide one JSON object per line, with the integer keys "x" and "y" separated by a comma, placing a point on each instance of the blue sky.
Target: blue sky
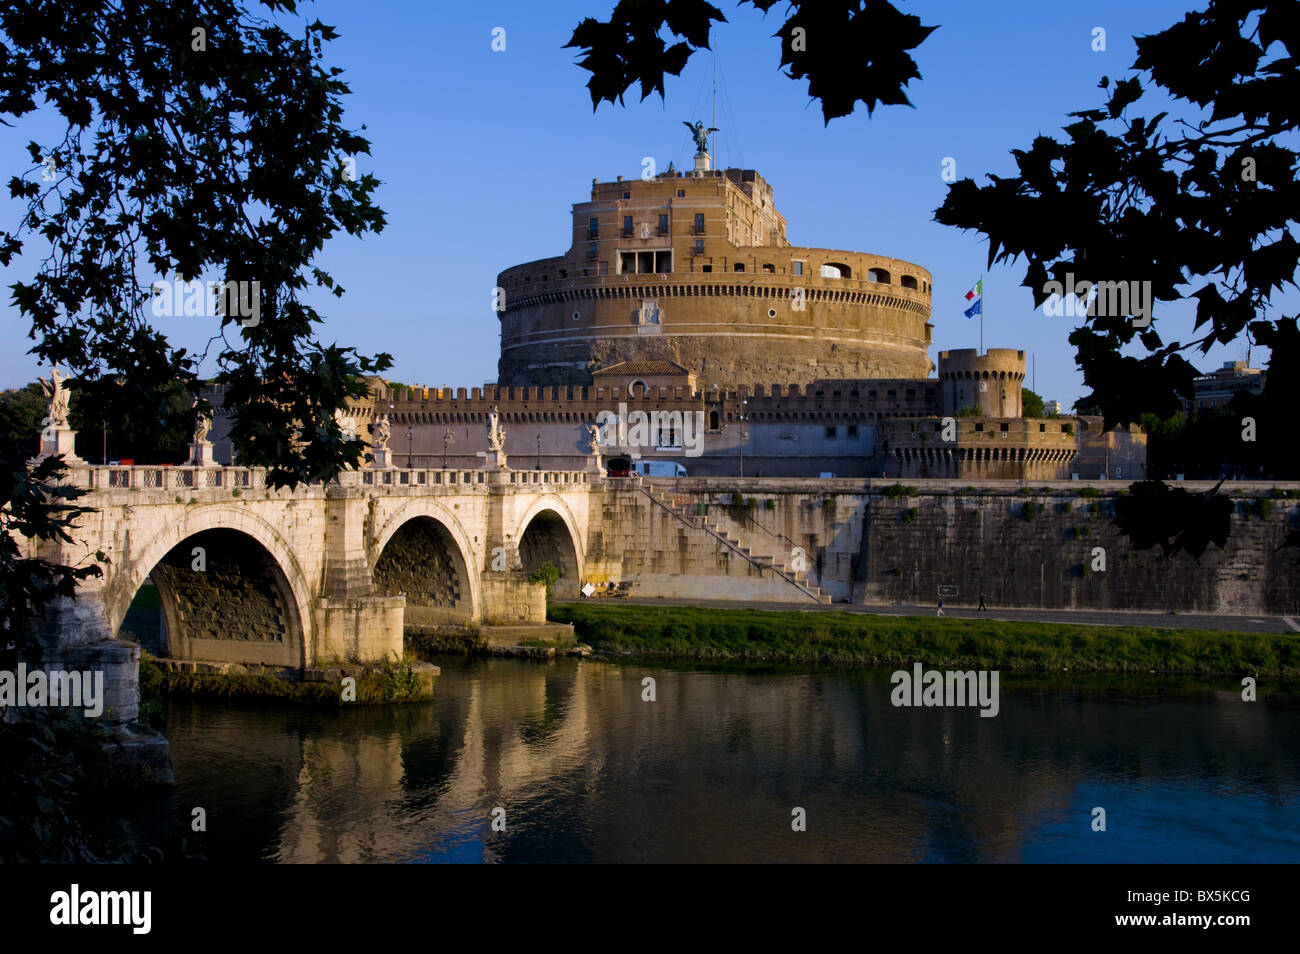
{"x": 482, "y": 153}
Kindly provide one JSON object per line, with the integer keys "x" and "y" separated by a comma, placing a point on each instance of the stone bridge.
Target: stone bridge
{"x": 320, "y": 573}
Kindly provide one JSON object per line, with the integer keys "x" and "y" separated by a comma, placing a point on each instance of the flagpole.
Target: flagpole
{"x": 981, "y": 314}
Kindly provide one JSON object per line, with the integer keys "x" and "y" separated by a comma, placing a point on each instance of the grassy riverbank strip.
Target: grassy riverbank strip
{"x": 755, "y": 635}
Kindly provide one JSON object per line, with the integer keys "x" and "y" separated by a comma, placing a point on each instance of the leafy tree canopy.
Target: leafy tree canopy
{"x": 199, "y": 140}
{"x": 849, "y": 51}
{"x": 1202, "y": 205}
{"x": 1154, "y": 514}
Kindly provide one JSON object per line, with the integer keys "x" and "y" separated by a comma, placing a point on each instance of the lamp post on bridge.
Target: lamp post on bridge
{"x": 741, "y": 420}
{"x": 447, "y": 438}
{"x": 410, "y": 444}
{"x": 539, "y": 452}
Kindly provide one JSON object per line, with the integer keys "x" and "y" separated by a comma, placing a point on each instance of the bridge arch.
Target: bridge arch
{"x": 434, "y": 522}
{"x": 548, "y": 531}
{"x": 223, "y": 527}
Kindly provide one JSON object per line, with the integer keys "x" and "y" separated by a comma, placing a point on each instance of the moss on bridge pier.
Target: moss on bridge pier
{"x": 380, "y": 684}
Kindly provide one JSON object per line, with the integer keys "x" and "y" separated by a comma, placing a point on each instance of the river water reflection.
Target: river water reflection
{"x": 712, "y": 769}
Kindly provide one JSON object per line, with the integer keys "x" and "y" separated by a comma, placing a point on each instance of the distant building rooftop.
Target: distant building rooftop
{"x": 639, "y": 367}
{"x": 1219, "y": 387}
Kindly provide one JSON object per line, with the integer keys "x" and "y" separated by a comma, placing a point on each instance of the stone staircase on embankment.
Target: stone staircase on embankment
{"x": 759, "y": 550}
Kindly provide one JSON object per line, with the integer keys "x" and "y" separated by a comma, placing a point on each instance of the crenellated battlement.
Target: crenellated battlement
{"x": 854, "y": 399}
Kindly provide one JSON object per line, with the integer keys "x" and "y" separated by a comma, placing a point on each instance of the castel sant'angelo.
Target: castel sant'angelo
{"x": 681, "y": 297}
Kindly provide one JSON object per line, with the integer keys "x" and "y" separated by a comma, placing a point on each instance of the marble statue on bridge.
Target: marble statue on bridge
{"x": 202, "y": 425}
{"x": 58, "y": 395}
{"x": 496, "y": 433}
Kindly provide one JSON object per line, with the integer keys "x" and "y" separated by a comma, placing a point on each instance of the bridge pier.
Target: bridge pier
{"x": 510, "y": 598}
{"x": 361, "y": 628}
{"x": 75, "y": 637}
{"x": 351, "y": 621}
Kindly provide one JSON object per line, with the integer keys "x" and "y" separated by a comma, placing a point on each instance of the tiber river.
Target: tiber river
{"x": 712, "y": 770}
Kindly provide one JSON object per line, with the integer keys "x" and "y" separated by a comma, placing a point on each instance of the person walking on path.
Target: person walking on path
{"x": 982, "y": 606}
{"x": 940, "y": 613}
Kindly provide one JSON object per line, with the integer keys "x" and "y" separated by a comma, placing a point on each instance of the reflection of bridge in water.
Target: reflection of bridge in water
{"x": 490, "y": 767}
{"x": 711, "y": 770}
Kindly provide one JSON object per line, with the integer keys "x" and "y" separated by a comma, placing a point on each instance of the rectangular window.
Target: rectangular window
{"x": 699, "y": 246}
{"x": 798, "y": 268}
{"x": 663, "y": 225}
{"x": 979, "y": 427}
{"x": 853, "y": 430}
{"x": 593, "y": 227}
{"x": 681, "y": 193}
{"x": 699, "y": 223}
{"x": 627, "y": 225}
{"x": 707, "y": 268}
{"x": 1004, "y": 428}
{"x": 830, "y": 432}
{"x": 1042, "y": 428}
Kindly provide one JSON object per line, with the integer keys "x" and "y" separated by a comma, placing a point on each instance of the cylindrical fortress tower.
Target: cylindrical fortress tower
{"x": 990, "y": 381}
{"x": 695, "y": 269}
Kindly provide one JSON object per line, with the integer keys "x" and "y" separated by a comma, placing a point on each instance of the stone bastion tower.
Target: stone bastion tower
{"x": 989, "y": 381}
{"x": 695, "y": 269}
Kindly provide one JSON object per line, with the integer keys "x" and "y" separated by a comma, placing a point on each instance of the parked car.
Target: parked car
{"x": 619, "y": 467}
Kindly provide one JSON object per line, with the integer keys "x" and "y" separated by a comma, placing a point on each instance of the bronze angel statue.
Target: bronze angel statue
{"x": 701, "y": 135}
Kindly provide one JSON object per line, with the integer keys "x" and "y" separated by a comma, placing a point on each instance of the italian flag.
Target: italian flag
{"x": 975, "y": 296}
